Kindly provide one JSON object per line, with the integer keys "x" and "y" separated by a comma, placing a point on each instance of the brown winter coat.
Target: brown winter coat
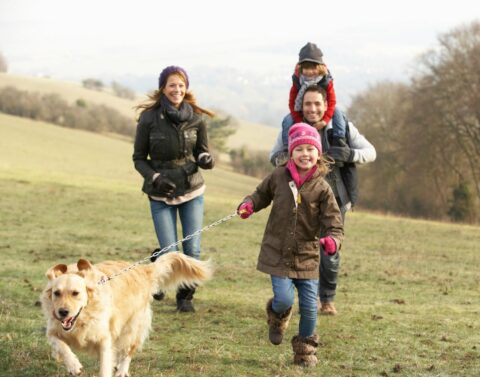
{"x": 290, "y": 245}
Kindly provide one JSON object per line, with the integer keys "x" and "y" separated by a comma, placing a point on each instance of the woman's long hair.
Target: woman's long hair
{"x": 154, "y": 98}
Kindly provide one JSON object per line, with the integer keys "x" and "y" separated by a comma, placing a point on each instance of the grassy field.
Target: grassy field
{"x": 254, "y": 136}
{"x": 408, "y": 295}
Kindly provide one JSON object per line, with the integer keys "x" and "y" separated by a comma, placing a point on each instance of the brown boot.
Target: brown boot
{"x": 328, "y": 308}
{"x": 277, "y": 323}
{"x": 304, "y": 350}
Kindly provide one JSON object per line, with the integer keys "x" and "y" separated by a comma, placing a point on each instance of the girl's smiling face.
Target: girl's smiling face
{"x": 305, "y": 157}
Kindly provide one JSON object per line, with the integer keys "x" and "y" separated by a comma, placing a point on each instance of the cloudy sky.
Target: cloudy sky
{"x": 362, "y": 41}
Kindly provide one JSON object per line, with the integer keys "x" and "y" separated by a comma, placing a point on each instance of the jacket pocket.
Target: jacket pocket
{"x": 271, "y": 252}
{"x": 159, "y": 145}
{"x": 190, "y": 137}
{"x": 308, "y": 256}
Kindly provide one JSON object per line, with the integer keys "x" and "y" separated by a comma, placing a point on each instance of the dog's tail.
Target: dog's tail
{"x": 175, "y": 270}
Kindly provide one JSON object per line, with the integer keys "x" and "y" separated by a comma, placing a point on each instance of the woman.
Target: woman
{"x": 170, "y": 145}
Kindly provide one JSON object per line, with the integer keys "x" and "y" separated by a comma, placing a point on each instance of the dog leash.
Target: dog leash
{"x": 159, "y": 253}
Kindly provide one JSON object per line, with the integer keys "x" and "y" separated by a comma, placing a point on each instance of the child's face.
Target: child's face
{"x": 305, "y": 156}
{"x": 310, "y": 72}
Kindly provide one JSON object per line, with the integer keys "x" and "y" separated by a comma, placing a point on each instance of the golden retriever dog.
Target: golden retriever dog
{"x": 111, "y": 320}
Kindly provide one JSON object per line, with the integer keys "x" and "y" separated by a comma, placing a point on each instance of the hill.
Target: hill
{"x": 408, "y": 295}
{"x": 254, "y": 135}
{"x": 70, "y": 91}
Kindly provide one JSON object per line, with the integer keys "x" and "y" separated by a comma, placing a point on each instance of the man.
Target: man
{"x": 357, "y": 151}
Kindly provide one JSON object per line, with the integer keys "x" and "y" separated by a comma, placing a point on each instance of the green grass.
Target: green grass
{"x": 408, "y": 295}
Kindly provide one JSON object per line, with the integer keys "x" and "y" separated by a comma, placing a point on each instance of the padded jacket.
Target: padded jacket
{"x": 172, "y": 150}
{"x": 290, "y": 245}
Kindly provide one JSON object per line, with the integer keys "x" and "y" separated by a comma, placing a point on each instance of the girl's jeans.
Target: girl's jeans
{"x": 165, "y": 221}
{"x": 283, "y": 297}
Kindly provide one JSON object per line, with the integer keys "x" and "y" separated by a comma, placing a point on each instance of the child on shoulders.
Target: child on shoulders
{"x": 311, "y": 70}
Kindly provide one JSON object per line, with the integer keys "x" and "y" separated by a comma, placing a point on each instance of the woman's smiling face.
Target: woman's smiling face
{"x": 175, "y": 89}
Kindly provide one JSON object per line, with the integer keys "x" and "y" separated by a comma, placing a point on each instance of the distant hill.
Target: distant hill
{"x": 70, "y": 91}
{"x": 256, "y": 136}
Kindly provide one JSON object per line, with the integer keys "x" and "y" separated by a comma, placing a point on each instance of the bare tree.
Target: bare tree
{"x": 380, "y": 112}
{"x": 450, "y": 83}
{"x": 427, "y": 134}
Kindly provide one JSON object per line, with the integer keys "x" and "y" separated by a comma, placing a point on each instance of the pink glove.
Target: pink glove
{"x": 245, "y": 209}
{"x": 329, "y": 245}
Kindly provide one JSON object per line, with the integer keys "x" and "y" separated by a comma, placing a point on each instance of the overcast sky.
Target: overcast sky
{"x": 367, "y": 39}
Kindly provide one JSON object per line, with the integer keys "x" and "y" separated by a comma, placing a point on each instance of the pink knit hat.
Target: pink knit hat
{"x": 302, "y": 133}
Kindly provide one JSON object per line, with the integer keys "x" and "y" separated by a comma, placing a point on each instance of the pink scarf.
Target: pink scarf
{"x": 299, "y": 181}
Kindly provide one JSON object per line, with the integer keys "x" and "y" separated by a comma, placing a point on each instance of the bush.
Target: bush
{"x": 93, "y": 84}
{"x": 219, "y": 129}
{"x": 462, "y": 207}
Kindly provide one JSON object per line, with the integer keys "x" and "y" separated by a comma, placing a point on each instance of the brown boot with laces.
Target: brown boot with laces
{"x": 328, "y": 308}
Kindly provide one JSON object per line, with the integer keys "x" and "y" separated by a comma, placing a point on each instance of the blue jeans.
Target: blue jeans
{"x": 165, "y": 221}
{"x": 339, "y": 125}
{"x": 287, "y": 122}
{"x": 283, "y": 297}
{"x": 329, "y": 267}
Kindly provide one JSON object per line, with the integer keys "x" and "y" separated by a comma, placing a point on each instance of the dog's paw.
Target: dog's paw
{"x": 121, "y": 370}
{"x": 75, "y": 368}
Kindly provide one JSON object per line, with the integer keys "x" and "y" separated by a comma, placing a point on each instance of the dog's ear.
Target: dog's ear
{"x": 56, "y": 271}
{"x": 83, "y": 264}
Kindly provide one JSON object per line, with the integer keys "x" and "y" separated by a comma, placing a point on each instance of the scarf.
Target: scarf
{"x": 299, "y": 181}
{"x": 177, "y": 116}
{"x": 304, "y": 84}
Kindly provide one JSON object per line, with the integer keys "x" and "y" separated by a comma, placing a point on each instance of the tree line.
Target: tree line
{"x": 118, "y": 89}
{"x": 427, "y": 134}
{"x": 54, "y": 109}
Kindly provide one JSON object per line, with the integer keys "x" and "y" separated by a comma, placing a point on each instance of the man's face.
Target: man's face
{"x": 313, "y": 107}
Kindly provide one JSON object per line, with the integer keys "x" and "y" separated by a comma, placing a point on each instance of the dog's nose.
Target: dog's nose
{"x": 63, "y": 312}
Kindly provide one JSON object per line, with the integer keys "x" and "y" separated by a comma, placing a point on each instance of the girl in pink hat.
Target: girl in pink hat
{"x": 303, "y": 206}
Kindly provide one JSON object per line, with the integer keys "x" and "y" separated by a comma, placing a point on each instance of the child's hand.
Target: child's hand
{"x": 319, "y": 125}
{"x": 329, "y": 245}
{"x": 245, "y": 209}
